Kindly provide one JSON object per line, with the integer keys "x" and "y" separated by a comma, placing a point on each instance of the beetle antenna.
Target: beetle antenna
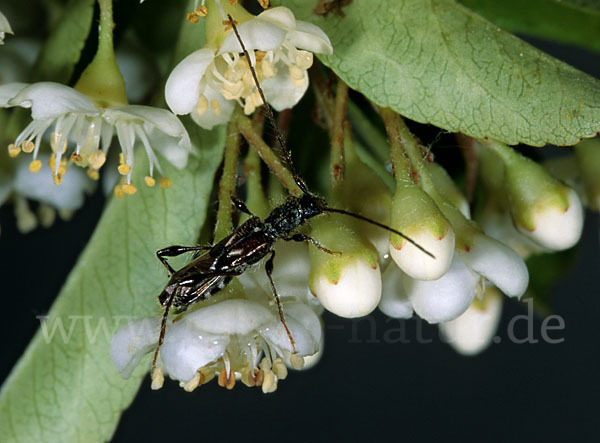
{"x": 381, "y": 225}
{"x": 285, "y": 152}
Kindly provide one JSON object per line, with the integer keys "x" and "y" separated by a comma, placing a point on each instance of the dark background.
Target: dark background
{"x": 365, "y": 387}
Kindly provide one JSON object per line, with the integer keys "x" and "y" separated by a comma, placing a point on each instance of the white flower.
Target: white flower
{"x": 207, "y": 85}
{"x": 474, "y": 330}
{"x": 243, "y": 338}
{"x": 75, "y": 118}
{"x": 4, "y": 27}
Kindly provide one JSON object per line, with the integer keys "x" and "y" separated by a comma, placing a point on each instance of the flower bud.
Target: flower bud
{"x": 446, "y": 298}
{"x": 542, "y": 208}
{"x": 474, "y": 330}
{"x": 394, "y": 300}
{"x": 349, "y": 285}
{"x": 417, "y": 216}
{"x": 587, "y": 154}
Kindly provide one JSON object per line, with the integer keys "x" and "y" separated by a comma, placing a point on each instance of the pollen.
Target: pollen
{"x": 264, "y": 3}
{"x": 165, "y": 182}
{"x": 76, "y": 158}
{"x": 13, "y": 150}
{"x": 97, "y": 159}
{"x": 202, "y": 105}
{"x": 201, "y": 11}
{"x": 93, "y": 174}
{"x": 58, "y": 178}
{"x": 118, "y": 191}
{"x": 233, "y": 2}
{"x": 129, "y": 188}
{"x": 35, "y": 166}
{"x": 124, "y": 169}
{"x": 158, "y": 379}
{"x": 215, "y": 107}
{"x": 27, "y": 146}
{"x": 192, "y": 17}
{"x": 149, "y": 181}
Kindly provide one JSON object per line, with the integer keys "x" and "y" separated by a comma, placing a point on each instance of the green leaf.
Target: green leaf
{"x": 62, "y": 49}
{"x": 435, "y": 61}
{"x": 546, "y": 19}
{"x": 69, "y": 390}
{"x": 587, "y": 5}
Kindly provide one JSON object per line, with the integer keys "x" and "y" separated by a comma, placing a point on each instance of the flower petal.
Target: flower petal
{"x": 70, "y": 195}
{"x": 280, "y": 16}
{"x": 311, "y": 38}
{"x": 187, "y": 349}
{"x": 446, "y": 298}
{"x": 132, "y": 342}
{"x": 182, "y": 90}
{"x": 8, "y": 91}
{"x": 209, "y": 119}
{"x": 51, "y": 100}
{"x": 498, "y": 263}
{"x": 280, "y": 91}
{"x": 394, "y": 299}
{"x": 256, "y": 34}
{"x": 276, "y": 335}
{"x": 474, "y": 330}
{"x": 230, "y": 317}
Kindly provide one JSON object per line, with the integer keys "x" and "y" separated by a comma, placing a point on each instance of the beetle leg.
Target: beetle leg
{"x": 269, "y": 269}
{"x": 240, "y": 206}
{"x": 174, "y": 251}
{"x": 302, "y": 238}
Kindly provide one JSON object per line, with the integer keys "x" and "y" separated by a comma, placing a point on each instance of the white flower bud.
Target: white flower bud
{"x": 132, "y": 342}
{"x": 355, "y": 293}
{"x": 394, "y": 300}
{"x": 446, "y": 298}
{"x": 474, "y": 330}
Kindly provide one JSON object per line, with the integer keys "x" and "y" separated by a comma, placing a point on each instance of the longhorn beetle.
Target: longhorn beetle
{"x": 248, "y": 244}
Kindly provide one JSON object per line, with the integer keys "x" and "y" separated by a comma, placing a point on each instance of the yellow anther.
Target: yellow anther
{"x": 280, "y": 369}
{"x": 233, "y": 2}
{"x": 52, "y": 161}
{"x": 259, "y": 377}
{"x": 13, "y": 150}
{"x": 47, "y": 215}
{"x": 206, "y": 374}
{"x": 165, "y": 182}
{"x": 76, "y": 158}
{"x": 149, "y": 181}
{"x": 158, "y": 379}
{"x": 58, "y": 178}
{"x": 192, "y": 384}
{"x": 118, "y": 191}
{"x": 297, "y": 75}
{"x": 296, "y": 361}
{"x": 202, "y": 105}
{"x": 232, "y": 90}
{"x": 129, "y": 188}
{"x": 227, "y": 24}
{"x": 97, "y": 159}
{"x": 124, "y": 169}
{"x": 248, "y": 377}
{"x": 192, "y": 17}
{"x": 268, "y": 69}
{"x": 304, "y": 59}
{"x": 226, "y": 382}
{"x": 264, "y": 3}
{"x": 35, "y": 166}
{"x": 27, "y": 146}
{"x": 93, "y": 174}
{"x": 269, "y": 383}
{"x": 201, "y": 11}
{"x": 62, "y": 170}
{"x": 215, "y": 106}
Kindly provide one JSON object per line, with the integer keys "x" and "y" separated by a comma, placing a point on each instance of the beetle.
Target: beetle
{"x": 248, "y": 244}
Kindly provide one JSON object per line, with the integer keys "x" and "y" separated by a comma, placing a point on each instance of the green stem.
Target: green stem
{"x": 401, "y": 166}
{"x": 369, "y": 132}
{"x": 506, "y": 153}
{"x": 268, "y": 156}
{"x": 324, "y": 99}
{"x": 228, "y": 183}
{"x": 256, "y": 199}
{"x": 337, "y": 163}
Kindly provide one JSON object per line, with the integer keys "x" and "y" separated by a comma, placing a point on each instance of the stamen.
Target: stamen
{"x": 192, "y": 384}
{"x": 269, "y": 383}
{"x": 158, "y": 379}
{"x": 215, "y": 107}
{"x": 248, "y": 377}
{"x": 13, "y": 150}
{"x": 47, "y": 215}
{"x": 304, "y": 59}
{"x": 280, "y": 369}
{"x": 202, "y": 105}
{"x": 118, "y": 191}
{"x": 296, "y": 361}
{"x": 149, "y": 181}
{"x": 129, "y": 188}
{"x": 97, "y": 159}
{"x": 297, "y": 75}
{"x": 192, "y": 17}
{"x": 123, "y": 168}
{"x": 76, "y": 158}
{"x": 264, "y": 3}
{"x": 268, "y": 69}
{"x": 226, "y": 381}
{"x": 165, "y": 182}
{"x": 57, "y": 177}
{"x": 93, "y": 174}
{"x": 27, "y": 146}
{"x": 35, "y": 166}
{"x": 233, "y": 2}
